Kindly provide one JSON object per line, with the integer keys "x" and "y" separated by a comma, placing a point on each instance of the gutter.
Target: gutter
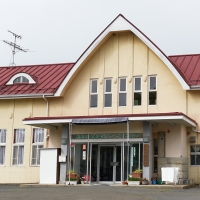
{"x": 195, "y": 87}
{"x": 25, "y": 96}
{"x": 197, "y": 131}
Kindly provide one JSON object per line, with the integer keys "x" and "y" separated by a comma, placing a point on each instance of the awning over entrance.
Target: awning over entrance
{"x": 154, "y": 118}
{"x": 99, "y": 120}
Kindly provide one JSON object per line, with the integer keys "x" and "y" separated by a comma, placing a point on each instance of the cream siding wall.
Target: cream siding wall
{"x": 135, "y": 127}
{"x": 124, "y": 55}
{"x": 13, "y": 112}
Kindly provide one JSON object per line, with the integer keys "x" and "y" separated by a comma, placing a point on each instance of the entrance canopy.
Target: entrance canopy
{"x": 154, "y": 118}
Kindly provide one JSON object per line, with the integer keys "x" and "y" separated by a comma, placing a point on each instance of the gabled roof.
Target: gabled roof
{"x": 189, "y": 67}
{"x": 47, "y": 77}
{"x": 120, "y": 23}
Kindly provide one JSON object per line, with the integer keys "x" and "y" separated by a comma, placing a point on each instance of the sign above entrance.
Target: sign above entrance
{"x": 107, "y": 136}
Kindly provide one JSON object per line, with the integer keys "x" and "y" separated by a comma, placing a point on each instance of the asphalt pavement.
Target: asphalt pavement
{"x": 95, "y": 192}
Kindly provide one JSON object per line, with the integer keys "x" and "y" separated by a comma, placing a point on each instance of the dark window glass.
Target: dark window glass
{"x": 21, "y": 79}
{"x": 108, "y": 100}
{"x": 108, "y": 85}
{"x": 152, "y": 83}
{"x": 17, "y": 80}
{"x": 137, "y": 98}
{"x": 197, "y": 159}
{"x": 192, "y": 159}
{"x": 93, "y": 100}
{"x": 24, "y": 80}
{"x": 137, "y": 84}
{"x": 192, "y": 148}
{"x": 122, "y": 84}
{"x": 152, "y": 98}
{"x": 94, "y": 86}
{"x": 122, "y": 99}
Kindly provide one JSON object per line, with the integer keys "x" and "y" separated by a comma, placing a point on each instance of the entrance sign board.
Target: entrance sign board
{"x": 146, "y": 155}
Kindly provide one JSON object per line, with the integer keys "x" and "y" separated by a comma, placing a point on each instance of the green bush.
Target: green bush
{"x": 71, "y": 179}
{"x": 134, "y": 179}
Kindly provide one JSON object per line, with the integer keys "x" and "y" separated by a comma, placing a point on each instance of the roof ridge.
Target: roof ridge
{"x": 37, "y": 65}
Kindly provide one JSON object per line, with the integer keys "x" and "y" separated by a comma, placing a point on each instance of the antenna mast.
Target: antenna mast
{"x": 15, "y": 47}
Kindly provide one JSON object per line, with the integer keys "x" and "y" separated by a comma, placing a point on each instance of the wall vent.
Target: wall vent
{"x": 192, "y": 139}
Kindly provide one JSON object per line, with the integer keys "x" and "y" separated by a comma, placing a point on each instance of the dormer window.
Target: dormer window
{"x": 21, "y": 79}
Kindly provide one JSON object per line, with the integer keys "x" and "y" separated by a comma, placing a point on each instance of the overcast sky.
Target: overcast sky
{"x": 58, "y": 31}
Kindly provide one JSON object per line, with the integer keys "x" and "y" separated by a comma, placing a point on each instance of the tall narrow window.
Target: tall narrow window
{"x": 137, "y": 91}
{"x": 122, "y": 92}
{"x": 108, "y": 93}
{"x": 18, "y": 147}
{"x": 2, "y": 146}
{"x": 152, "y": 90}
{"x": 37, "y": 145}
{"x": 194, "y": 155}
{"x": 93, "y": 94}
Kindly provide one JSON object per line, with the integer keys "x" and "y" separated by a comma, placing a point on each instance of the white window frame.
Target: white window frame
{"x": 122, "y": 92}
{"x": 105, "y": 92}
{"x": 194, "y": 154}
{"x": 137, "y": 91}
{"x": 3, "y": 144}
{"x": 18, "y": 144}
{"x": 93, "y": 93}
{"x": 152, "y": 90}
{"x": 37, "y": 144}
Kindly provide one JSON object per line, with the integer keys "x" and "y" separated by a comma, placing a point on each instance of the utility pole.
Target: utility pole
{"x": 14, "y": 46}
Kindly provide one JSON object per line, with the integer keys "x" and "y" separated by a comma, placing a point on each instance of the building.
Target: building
{"x": 122, "y": 105}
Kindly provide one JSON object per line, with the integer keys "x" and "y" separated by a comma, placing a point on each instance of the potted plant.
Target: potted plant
{"x": 72, "y": 177}
{"x": 72, "y": 174}
{"x": 72, "y": 181}
{"x": 133, "y": 180}
{"x": 145, "y": 181}
{"x": 137, "y": 173}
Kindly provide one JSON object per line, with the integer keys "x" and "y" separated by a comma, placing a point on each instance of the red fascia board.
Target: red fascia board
{"x": 111, "y": 116}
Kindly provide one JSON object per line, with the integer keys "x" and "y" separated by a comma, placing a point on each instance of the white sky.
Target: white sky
{"x": 60, "y": 30}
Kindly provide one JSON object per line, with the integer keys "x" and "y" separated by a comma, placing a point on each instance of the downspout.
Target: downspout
{"x": 127, "y": 124}
{"x": 47, "y": 114}
{"x": 47, "y": 108}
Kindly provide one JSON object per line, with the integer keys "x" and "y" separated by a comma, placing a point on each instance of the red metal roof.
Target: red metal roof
{"x": 48, "y": 77}
{"x": 188, "y": 66}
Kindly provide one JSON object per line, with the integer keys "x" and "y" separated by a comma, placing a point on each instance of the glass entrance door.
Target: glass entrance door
{"x": 106, "y": 163}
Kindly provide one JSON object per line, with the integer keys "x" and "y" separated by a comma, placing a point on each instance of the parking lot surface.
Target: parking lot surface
{"x": 98, "y": 192}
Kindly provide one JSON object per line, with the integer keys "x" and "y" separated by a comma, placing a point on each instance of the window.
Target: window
{"x": 38, "y": 143}
{"x": 195, "y": 155}
{"x": 21, "y": 79}
{"x": 108, "y": 93}
{"x": 93, "y": 94}
{"x": 137, "y": 91}
{"x": 152, "y": 90}
{"x": 122, "y": 92}
{"x": 2, "y": 146}
{"x": 18, "y": 147}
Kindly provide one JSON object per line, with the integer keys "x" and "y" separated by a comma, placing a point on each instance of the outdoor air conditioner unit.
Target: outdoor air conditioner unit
{"x": 192, "y": 139}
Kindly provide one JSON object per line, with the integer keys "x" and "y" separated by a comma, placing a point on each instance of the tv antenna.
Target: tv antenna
{"x": 15, "y": 48}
